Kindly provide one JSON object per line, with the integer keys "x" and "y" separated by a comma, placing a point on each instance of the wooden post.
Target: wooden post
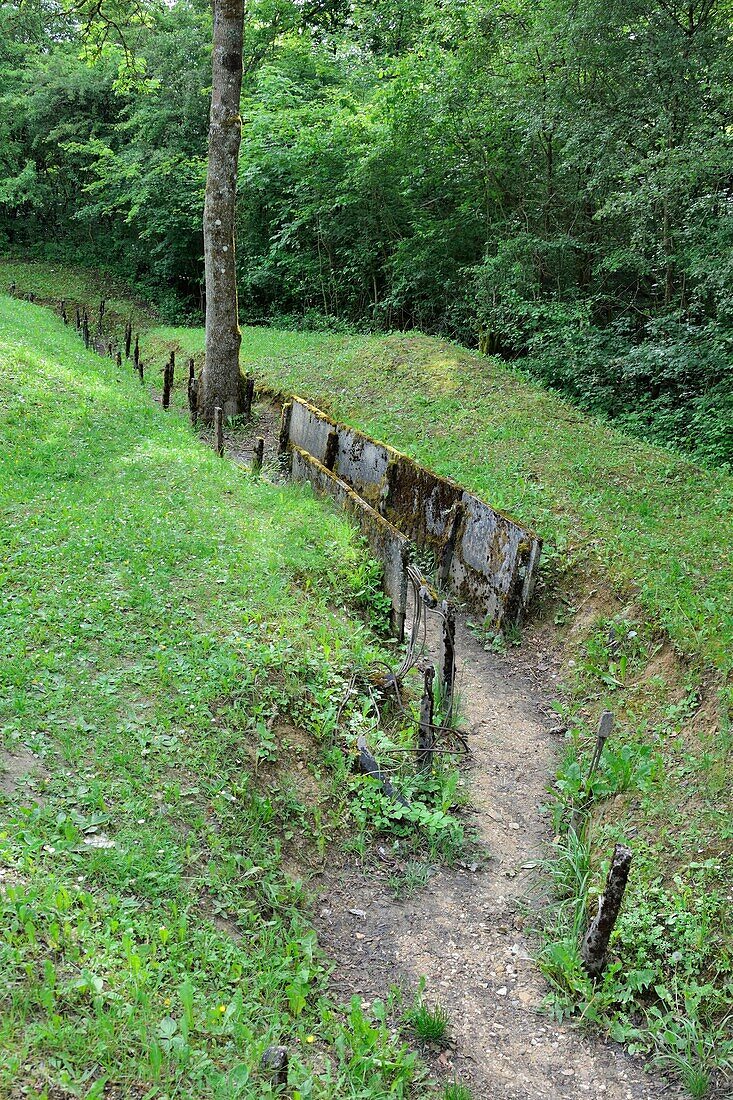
{"x": 219, "y": 431}
{"x": 193, "y": 399}
{"x": 119, "y": 358}
{"x": 141, "y": 370}
{"x": 283, "y": 454}
{"x": 128, "y": 339}
{"x": 101, "y": 314}
{"x": 85, "y": 329}
{"x": 193, "y": 393}
{"x": 594, "y": 948}
{"x": 258, "y": 456}
{"x": 448, "y": 661}
{"x": 249, "y": 392}
{"x": 109, "y": 349}
{"x": 425, "y": 740}
{"x": 136, "y": 353}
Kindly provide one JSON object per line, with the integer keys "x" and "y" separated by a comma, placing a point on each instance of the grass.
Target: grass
{"x": 50, "y": 283}
{"x": 659, "y": 527}
{"x": 659, "y": 524}
{"x": 166, "y": 619}
{"x": 429, "y": 1023}
{"x": 457, "y": 1091}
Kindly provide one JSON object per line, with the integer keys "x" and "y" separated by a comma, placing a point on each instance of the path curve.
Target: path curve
{"x": 463, "y": 931}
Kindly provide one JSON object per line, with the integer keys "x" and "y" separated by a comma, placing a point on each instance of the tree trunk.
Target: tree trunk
{"x": 221, "y": 379}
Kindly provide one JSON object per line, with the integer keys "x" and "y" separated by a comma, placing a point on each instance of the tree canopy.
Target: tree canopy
{"x": 549, "y": 180}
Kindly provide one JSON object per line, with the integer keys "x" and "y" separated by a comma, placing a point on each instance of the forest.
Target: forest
{"x": 547, "y": 182}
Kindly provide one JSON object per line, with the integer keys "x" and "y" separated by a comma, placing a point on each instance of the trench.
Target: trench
{"x": 465, "y": 934}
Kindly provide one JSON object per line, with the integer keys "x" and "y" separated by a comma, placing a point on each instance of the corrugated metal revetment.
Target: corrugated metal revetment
{"x": 485, "y": 558}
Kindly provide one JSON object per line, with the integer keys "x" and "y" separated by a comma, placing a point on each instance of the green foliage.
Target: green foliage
{"x": 549, "y": 182}
{"x": 667, "y": 989}
{"x": 429, "y": 1023}
{"x": 457, "y": 1091}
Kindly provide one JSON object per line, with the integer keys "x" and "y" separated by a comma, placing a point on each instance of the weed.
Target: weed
{"x": 429, "y": 1024}
{"x": 457, "y": 1091}
{"x": 696, "y": 1052}
{"x": 415, "y": 877}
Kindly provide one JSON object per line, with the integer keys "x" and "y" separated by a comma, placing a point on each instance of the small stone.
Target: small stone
{"x": 502, "y": 992}
{"x": 274, "y": 1065}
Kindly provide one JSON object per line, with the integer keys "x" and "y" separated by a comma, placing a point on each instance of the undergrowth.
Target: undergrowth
{"x": 667, "y": 992}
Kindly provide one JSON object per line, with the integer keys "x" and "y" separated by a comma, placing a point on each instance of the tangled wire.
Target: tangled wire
{"x": 381, "y": 677}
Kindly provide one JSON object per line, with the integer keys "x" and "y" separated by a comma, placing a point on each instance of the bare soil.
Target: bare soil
{"x": 20, "y": 768}
{"x": 464, "y": 933}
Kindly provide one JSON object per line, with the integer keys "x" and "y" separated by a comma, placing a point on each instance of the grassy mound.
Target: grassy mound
{"x": 165, "y": 617}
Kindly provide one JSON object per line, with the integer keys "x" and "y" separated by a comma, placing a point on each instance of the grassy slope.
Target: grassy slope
{"x": 662, "y": 527}
{"x": 159, "y": 610}
{"x": 655, "y": 519}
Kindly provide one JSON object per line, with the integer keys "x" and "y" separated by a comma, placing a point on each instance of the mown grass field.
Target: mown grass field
{"x": 165, "y": 618}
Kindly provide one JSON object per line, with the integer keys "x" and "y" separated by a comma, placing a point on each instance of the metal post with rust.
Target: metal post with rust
{"x": 219, "y": 431}
{"x": 128, "y": 339}
{"x": 136, "y": 354}
{"x": 594, "y": 948}
{"x": 448, "y": 657}
{"x": 425, "y": 735}
{"x": 258, "y": 456}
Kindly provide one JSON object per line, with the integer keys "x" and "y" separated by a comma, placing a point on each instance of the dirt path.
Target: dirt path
{"x": 463, "y": 932}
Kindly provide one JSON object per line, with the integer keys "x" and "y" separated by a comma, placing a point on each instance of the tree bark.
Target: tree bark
{"x": 222, "y": 383}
